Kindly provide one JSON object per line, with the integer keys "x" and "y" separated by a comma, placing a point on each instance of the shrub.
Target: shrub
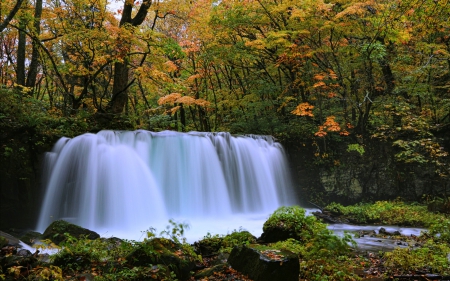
{"x": 323, "y": 255}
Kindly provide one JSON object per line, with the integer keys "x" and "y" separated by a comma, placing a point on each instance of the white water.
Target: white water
{"x": 123, "y": 183}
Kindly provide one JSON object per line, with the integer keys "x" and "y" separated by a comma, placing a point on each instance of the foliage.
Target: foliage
{"x": 313, "y": 70}
{"x": 386, "y": 212}
{"x": 432, "y": 256}
{"x": 307, "y": 229}
{"x": 356, "y": 147}
{"x": 224, "y": 243}
{"x": 113, "y": 258}
{"x": 321, "y": 252}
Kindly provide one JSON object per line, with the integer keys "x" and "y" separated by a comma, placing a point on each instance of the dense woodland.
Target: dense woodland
{"x": 343, "y": 71}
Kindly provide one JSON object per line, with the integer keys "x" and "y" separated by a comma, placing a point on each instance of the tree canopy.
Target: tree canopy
{"x": 320, "y": 70}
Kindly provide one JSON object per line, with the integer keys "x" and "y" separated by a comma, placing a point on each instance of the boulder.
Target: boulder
{"x": 56, "y": 232}
{"x": 30, "y": 237}
{"x": 208, "y": 246}
{"x": 166, "y": 252}
{"x": 262, "y": 263}
{"x": 8, "y": 239}
{"x": 214, "y": 244}
{"x": 277, "y": 233}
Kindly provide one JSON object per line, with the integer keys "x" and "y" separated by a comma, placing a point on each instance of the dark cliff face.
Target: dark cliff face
{"x": 349, "y": 177}
{"x": 21, "y": 155}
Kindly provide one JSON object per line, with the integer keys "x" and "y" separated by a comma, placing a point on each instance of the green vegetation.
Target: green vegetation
{"x": 386, "y": 212}
{"x": 323, "y": 255}
{"x": 213, "y": 244}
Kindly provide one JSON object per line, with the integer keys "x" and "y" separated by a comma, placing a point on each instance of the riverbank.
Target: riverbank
{"x": 320, "y": 252}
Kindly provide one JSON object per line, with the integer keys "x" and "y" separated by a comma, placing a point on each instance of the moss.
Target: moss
{"x": 57, "y": 230}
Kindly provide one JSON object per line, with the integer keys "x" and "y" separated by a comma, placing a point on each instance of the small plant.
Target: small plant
{"x": 175, "y": 231}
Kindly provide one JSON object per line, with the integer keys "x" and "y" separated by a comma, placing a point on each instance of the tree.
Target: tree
{"x": 121, "y": 67}
{"x": 11, "y": 14}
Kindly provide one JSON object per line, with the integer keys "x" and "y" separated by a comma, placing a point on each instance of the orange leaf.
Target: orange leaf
{"x": 170, "y": 99}
{"x": 303, "y": 109}
{"x": 319, "y": 84}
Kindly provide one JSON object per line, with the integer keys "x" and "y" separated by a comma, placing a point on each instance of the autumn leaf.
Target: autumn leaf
{"x": 304, "y": 109}
{"x": 169, "y": 99}
{"x": 319, "y": 84}
{"x": 186, "y": 100}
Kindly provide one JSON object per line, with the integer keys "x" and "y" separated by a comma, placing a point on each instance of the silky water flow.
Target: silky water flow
{"x": 121, "y": 183}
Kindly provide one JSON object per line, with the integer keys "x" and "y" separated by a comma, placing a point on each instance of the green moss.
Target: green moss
{"x": 212, "y": 244}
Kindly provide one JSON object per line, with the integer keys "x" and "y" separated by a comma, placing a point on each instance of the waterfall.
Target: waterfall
{"x": 130, "y": 181}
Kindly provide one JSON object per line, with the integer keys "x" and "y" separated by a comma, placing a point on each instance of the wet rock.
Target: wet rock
{"x": 57, "y": 229}
{"x": 24, "y": 253}
{"x": 264, "y": 264}
{"x": 30, "y": 237}
{"x": 383, "y": 231}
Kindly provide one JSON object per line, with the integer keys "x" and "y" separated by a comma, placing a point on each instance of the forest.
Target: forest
{"x": 344, "y": 85}
{"x": 310, "y": 69}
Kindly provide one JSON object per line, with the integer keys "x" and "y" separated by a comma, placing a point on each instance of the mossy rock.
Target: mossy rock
{"x": 30, "y": 236}
{"x": 212, "y": 245}
{"x": 163, "y": 251}
{"x": 289, "y": 222}
{"x": 208, "y": 246}
{"x": 262, "y": 263}
{"x": 56, "y": 232}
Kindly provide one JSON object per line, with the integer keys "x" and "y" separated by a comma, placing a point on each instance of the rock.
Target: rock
{"x": 24, "y": 253}
{"x": 30, "y": 237}
{"x": 10, "y": 240}
{"x": 264, "y": 264}
{"x": 278, "y": 233}
{"x": 290, "y": 222}
{"x": 383, "y": 231}
{"x": 208, "y": 246}
{"x": 56, "y": 230}
{"x": 205, "y": 273}
{"x": 212, "y": 245}
{"x": 166, "y": 252}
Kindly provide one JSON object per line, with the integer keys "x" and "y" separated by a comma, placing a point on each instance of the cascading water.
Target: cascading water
{"x": 118, "y": 182}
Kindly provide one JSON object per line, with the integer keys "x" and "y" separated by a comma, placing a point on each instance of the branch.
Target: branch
{"x": 11, "y": 15}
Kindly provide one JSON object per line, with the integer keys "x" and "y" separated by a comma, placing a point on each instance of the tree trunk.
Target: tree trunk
{"x": 121, "y": 69}
{"x": 120, "y": 91}
{"x": 21, "y": 52}
{"x": 34, "y": 64}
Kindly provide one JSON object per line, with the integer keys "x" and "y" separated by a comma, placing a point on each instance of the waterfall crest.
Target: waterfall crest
{"x": 133, "y": 180}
